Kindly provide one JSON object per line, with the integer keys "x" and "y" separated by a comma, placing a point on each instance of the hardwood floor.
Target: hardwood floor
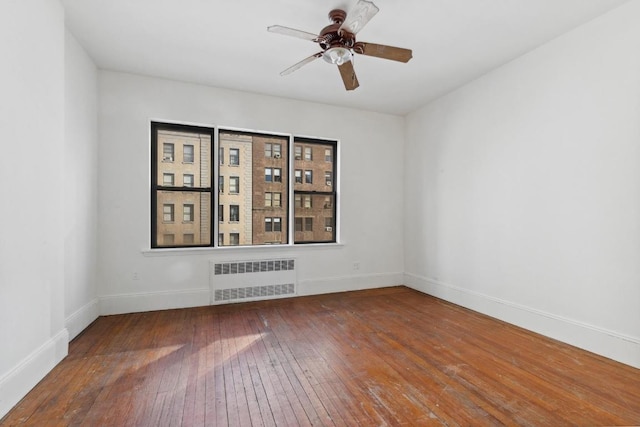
{"x": 379, "y": 357}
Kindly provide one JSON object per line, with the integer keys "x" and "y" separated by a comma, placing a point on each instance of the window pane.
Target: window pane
{"x": 196, "y": 149}
{"x": 298, "y": 176}
{"x": 298, "y": 152}
{"x": 308, "y": 177}
{"x": 307, "y": 153}
{"x": 268, "y": 224}
{"x": 187, "y": 180}
{"x": 196, "y": 217}
{"x": 258, "y": 179}
{"x": 168, "y": 179}
{"x": 188, "y": 153}
{"x": 314, "y": 218}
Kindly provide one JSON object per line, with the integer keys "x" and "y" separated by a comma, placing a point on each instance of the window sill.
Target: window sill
{"x": 237, "y": 249}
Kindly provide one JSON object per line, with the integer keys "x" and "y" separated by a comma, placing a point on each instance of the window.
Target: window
{"x": 167, "y": 213}
{"x": 249, "y": 208}
{"x": 327, "y": 178}
{"x": 234, "y": 156}
{"x": 187, "y": 213}
{"x": 167, "y": 152}
{"x": 234, "y": 184}
{"x": 193, "y": 194}
{"x": 234, "y": 213}
{"x": 272, "y": 224}
{"x": 314, "y": 206}
{"x": 187, "y": 153}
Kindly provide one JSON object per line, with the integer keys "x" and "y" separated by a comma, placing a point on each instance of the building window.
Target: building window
{"x": 167, "y": 152}
{"x": 168, "y": 212}
{"x": 234, "y": 184}
{"x": 206, "y": 155}
{"x": 328, "y": 178}
{"x": 234, "y": 156}
{"x": 187, "y": 153}
{"x": 234, "y": 213}
{"x": 187, "y": 212}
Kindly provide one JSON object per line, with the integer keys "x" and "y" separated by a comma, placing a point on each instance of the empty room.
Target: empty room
{"x": 337, "y": 213}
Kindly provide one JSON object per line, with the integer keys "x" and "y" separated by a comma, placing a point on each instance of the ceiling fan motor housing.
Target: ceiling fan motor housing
{"x": 332, "y": 36}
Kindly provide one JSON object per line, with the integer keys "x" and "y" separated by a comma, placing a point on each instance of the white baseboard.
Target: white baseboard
{"x": 349, "y": 283}
{"x": 15, "y": 384}
{"x": 616, "y": 346}
{"x": 150, "y": 301}
{"x": 81, "y": 318}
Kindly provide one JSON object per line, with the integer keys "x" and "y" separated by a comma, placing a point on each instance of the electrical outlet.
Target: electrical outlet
{"x": 356, "y": 266}
{"x": 135, "y": 276}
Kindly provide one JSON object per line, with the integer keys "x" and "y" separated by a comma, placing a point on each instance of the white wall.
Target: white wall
{"x": 523, "y": 190}
{"x": 33, "y": 337}
{"x": 80, "y": 188}
{"x": 371, "y": 189}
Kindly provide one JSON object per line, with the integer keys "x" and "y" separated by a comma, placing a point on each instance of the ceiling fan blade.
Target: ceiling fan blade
{"x": 301, "y": 63}
{"x": 348, "y": 75}
{"x": 358, "y": 17}
{"x": 382, "y": 51}
{"x": 292, "y": 32}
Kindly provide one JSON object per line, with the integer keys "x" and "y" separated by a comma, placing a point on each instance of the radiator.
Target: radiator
{"x": 250, "y": 280}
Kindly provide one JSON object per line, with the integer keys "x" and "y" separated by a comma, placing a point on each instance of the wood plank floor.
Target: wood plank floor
{"x": 379, "y": 357}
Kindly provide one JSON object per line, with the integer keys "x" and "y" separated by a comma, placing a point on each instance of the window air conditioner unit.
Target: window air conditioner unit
{"x": 169, "y": 159}
{"x": 328, "y": 229}
{"x": 328, "y": 183}
{"x": 276, "y": 156}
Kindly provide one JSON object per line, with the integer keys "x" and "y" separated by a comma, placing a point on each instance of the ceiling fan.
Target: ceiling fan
{"x": 338, "y": 42}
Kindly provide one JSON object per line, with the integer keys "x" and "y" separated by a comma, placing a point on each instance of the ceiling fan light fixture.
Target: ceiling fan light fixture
{"x": 337, "y": 55}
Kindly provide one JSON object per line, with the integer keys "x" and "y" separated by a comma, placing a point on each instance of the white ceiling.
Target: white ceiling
{"x": 225, "y": 43}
